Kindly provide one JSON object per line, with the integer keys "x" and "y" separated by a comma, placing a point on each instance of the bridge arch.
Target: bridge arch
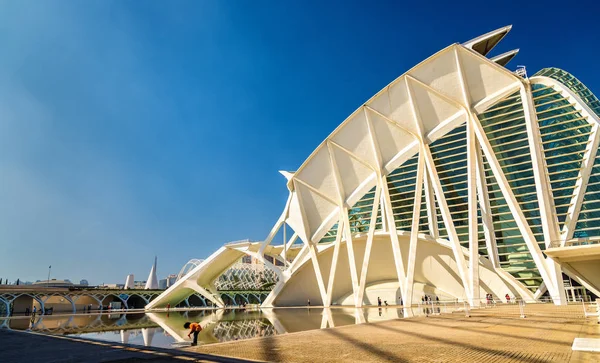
{"x": 136, "y": 301}
{"x": 106, "y": 300}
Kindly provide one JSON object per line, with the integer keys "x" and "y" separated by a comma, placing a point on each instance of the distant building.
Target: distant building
{"x": 53, "y": 283}
{"x": 139, "y": 284}
{"x": 84, "y": 282}
{"x": 112, "y": 286}
{"x": 129, "y": 281}
{"x": 152, "y": 282}
{"x": 171, "y": 279}
{"x": 162, "y": 284}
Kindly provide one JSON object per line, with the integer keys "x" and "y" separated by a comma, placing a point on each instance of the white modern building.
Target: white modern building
{"x": 152, "y": 282}
{"x": 459, "y": 179}
{"x": 129, "y": 281}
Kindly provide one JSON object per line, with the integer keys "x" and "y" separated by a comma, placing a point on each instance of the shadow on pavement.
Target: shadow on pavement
{"x": 366, "y": 347}
{"x": 270, "y": 350}
{"x": 492, "y": 352}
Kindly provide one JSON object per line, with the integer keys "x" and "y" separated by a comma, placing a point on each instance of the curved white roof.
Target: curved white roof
{"x": 423, "y": 104}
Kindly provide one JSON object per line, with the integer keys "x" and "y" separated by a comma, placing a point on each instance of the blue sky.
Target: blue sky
{"x": 138, "y": 128}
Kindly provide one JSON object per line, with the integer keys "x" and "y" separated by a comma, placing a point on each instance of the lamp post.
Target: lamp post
{"x": 48, "y": 281}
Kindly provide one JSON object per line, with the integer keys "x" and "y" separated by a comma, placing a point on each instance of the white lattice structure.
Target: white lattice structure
{"x": 246, "y": 277}
{"x": 448, "y": 181}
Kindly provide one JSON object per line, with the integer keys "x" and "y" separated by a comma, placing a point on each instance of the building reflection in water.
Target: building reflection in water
{"x": 166, "y": 329}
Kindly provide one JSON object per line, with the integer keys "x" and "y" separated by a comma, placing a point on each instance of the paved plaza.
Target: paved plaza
{"x": 499, "y": 334}
{"x": 489, "y": 335}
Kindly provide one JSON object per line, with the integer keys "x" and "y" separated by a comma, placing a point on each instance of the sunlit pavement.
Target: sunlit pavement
{"x": 546, "y": 334}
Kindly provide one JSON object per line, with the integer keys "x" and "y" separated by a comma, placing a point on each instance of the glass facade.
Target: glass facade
{"x": 401, "y": 184}
{"x": 504, "y": 125}
{"x": 450, "y": 159}
{"x": 588, "y": 222}
{"x": 575, "y": 85}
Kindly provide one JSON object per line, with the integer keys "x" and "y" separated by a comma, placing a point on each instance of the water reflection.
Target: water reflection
{"x": 166, "y": 329}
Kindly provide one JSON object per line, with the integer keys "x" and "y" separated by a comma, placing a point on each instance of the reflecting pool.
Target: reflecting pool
{"x": 161, "y": 329}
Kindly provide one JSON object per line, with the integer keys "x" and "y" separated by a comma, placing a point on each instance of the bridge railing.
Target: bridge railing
{"x": 515, "y": 308}
{"x": 575, "y": 242}
{"x": 247, "y": 240}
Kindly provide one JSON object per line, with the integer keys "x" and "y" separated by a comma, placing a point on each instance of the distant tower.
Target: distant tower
{"x": 129, "y": 282}
{"x": 152, "y": 282}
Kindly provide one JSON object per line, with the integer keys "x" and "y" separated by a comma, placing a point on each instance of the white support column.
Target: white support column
{"x": 472, "y": 215}
{"x": 351, "y": 259}
{"x": 277, "y": 225}
{"x": 387, "y": 211}
{"x": 407, "y": 293}
{"x": 431, "y": 211}
{"x": 297, "y": 260}
{"x": 398, "y": 260}
{"x": 334, "y": 262}
{"x": 544, "y": 192}
{"x": 511, "y": 201}
{"x": 435, "y": 182}
{"x": 290, "y": 243}
{"x": 587, "y": 163}
{"x": 540, "y": 291}
{"x": 310, "y": 243}
{"x": 448, "y": 222}
{"x": 542, "y": 182}
{"x": 344, "y": 221}
{"x": 383, "y": 213}
{"x": 369, "y": 245}
{"x": 316, "y": 266}
{"x": 285, "y": 261}
{"x": 272, "y": 234}
{"x": 486, "y": 212}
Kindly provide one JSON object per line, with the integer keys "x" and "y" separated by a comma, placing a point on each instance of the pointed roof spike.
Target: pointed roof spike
{"x": 504, "y": 58}
{"x": 287, "y": 174}
{"x": 152, "y": 282}
{"x": 484, "y": 43}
